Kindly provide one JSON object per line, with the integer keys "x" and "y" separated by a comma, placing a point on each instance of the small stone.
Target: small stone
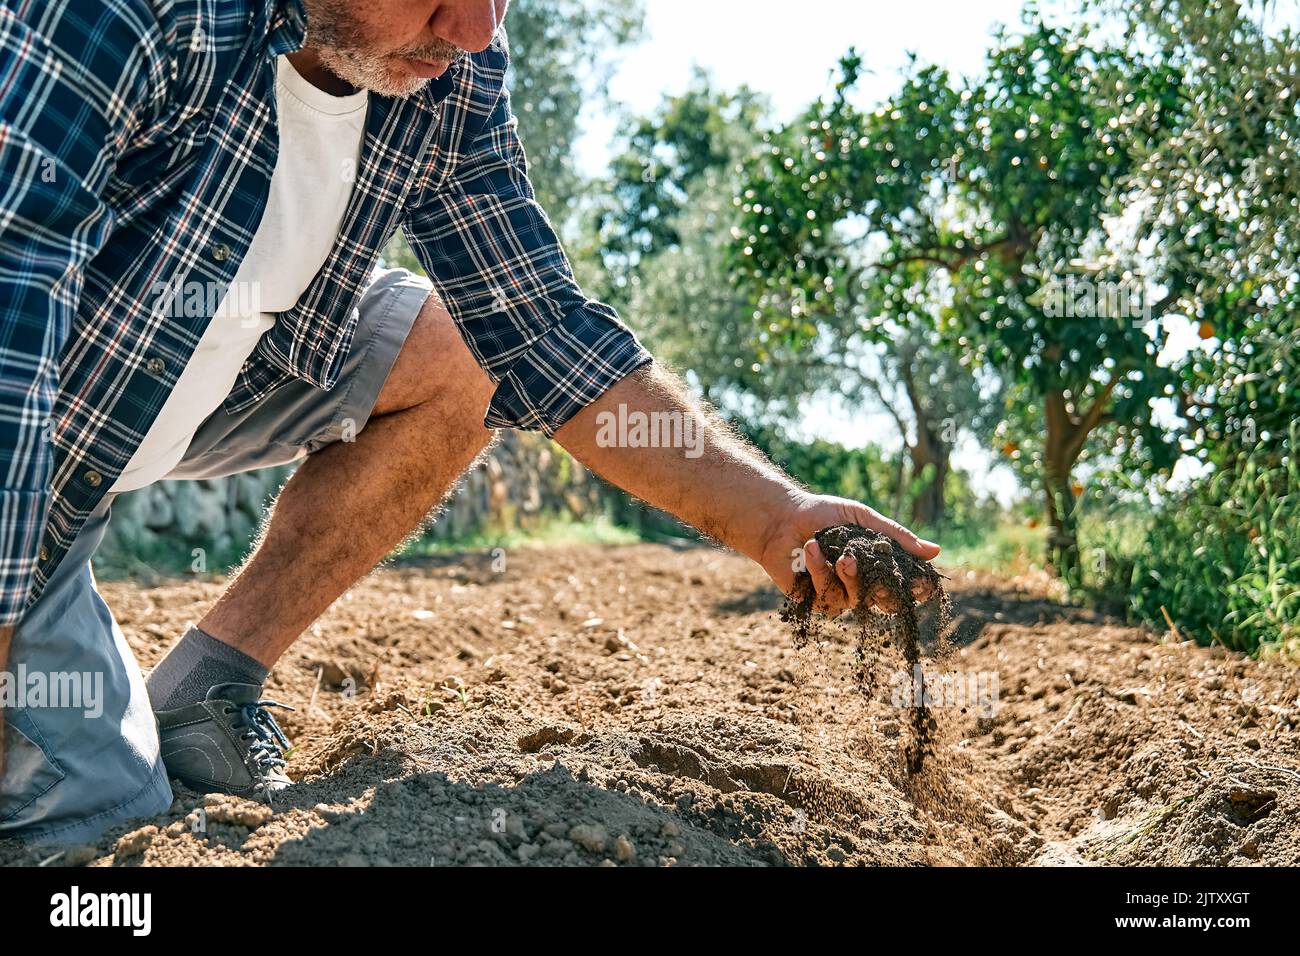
{"x": 235, "y": 811}
{"x": 624, "y": 850}
{"x": 1251, "y": 800}
{"x": 558, "y": 849}
{"x": 1130, "y": 695}
{"x": 590, "y": 837}
{"x": 515, "y": 830}
{"x": 135, "y": 842}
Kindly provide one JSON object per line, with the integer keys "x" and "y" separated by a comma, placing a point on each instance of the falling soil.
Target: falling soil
{"x": 643, "y": 706}
{"x": 887, "y": 575}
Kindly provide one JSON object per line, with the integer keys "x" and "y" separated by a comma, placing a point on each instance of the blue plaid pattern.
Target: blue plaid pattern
{"x": 137, "y": 142}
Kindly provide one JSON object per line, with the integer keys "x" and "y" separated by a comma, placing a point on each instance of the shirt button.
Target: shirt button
{"x": 44, "y": 553}
{"x": 93, "y": 478}
{"x": 155, "y": 366}
{"x": 221, "y": 252}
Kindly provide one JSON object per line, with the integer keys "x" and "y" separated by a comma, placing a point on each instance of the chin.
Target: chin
{"x": 397, "y": 86}
{"x": 377, "y": 77}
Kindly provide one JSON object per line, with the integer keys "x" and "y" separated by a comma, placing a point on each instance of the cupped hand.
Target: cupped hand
{"x": 790, "y": 548}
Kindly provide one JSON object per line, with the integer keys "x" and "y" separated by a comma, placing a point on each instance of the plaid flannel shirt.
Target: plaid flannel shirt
{"x": 137, "y": 142}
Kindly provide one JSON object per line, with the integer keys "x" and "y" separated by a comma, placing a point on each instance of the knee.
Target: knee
{"x": 435, "y": 366}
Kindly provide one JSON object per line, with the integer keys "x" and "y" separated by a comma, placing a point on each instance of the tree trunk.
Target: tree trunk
{"x": 1063, "y": 532}
{"x": 900, "y": 483}
{"x": 929, "y": 454}
{"x": 1066, "y": 435}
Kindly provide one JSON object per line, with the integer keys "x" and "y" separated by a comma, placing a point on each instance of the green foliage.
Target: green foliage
{"x": 660, "y": 231}
{"x": 1220, "y": 559}
{"x": 859, "y": 473}
{"x": 551, "y": 532}
{"x": 996, "y": 546}
{"x": 1222, "y": 211}
{"x": 561, "y": 55}
{"x": 686, "y": 150}
{"x": 978, "y": 199}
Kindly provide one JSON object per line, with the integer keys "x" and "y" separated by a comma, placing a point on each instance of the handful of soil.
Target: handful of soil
{"x": 883, "y": 565}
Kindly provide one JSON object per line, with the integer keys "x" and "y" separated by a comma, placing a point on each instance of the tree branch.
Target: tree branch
{"x": 1091, "y": 418}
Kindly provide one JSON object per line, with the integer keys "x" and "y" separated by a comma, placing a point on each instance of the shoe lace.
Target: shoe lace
{"x": 267, "y": 743}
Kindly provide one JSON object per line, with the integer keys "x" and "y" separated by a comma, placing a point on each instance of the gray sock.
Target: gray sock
{"x": 195, "y": 665}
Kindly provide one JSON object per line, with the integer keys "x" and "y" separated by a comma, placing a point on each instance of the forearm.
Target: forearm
{"x": 705, "y": 476}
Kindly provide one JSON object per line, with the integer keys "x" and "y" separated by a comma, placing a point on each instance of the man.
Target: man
{"x": 194, "y": 198}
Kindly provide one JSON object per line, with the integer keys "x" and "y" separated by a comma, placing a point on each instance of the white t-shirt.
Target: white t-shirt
{"x": 320, "y": 146}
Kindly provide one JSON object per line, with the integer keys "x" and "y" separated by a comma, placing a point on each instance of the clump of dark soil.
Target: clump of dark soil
{"x": 886, "y": 617}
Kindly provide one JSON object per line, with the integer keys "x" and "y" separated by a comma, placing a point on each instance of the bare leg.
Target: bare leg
{"x": 351, "y": 503}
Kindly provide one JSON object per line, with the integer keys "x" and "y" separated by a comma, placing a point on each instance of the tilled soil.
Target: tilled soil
{"x": 645, "y": 706}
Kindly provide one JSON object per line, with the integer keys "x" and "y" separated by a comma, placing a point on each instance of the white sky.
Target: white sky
{"x": 788, "y": 49}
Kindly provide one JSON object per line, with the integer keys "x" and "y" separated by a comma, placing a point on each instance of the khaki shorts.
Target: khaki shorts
{"x": 86, "y": 757}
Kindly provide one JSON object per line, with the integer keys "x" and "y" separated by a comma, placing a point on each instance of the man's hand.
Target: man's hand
{"x": 790, "y": 547}
{"x": 723, "y": 486}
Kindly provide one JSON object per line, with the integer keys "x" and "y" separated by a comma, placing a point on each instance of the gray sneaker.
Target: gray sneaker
{"x": 226, "y": 743}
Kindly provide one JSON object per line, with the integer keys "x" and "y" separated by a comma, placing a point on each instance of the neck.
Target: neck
{"x": 310, "y": 67}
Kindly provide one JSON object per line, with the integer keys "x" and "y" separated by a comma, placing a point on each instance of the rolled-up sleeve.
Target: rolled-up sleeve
{"x": 497, "y": 263}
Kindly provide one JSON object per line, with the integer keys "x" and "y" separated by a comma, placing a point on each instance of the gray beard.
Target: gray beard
{"x": 367, "y": 73}
{"x": 332, "y": 29}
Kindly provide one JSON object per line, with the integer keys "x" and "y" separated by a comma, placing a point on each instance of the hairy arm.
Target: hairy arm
{"x": 718, "y": 483}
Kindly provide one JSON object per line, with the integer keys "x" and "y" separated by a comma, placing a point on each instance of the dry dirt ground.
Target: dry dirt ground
{"x": 644, "y": 706}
